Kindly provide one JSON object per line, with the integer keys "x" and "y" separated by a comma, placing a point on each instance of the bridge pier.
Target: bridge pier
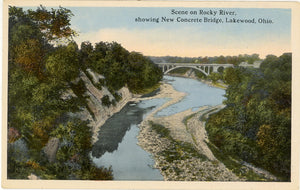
{"x": 208, "y": 70}
{"x": 215, "y": 69}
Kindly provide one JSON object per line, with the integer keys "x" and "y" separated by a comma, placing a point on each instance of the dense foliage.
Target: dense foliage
{"x": 41, "y": 73}
{"x": 120, "y": 67}
{"x": 255, "y": 125}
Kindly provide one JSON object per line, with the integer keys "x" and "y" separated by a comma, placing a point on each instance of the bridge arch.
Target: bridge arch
{"x": 192, "y": 67}
{"x": 206, "y": 69}
{"x": 220, "y": 69}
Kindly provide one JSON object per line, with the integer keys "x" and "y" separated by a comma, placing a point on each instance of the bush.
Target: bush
{"x": 105, "y": 101}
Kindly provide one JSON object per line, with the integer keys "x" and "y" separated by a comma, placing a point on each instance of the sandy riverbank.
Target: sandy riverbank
{"x": 202, "y": 166}
{"x": 185, "y": 156}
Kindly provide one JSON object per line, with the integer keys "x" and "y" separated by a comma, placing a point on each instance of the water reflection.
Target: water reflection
{"x": 117, "y": 145}
{"x": 114, "y": 129}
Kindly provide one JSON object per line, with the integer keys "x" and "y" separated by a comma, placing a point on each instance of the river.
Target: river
{"x": 117, "y": 145}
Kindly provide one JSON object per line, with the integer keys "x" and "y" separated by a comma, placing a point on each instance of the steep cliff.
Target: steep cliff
{"x": 96, "y": 112}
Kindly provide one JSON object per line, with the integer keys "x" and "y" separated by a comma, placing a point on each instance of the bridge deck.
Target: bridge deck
{"x": 195, "y": 64}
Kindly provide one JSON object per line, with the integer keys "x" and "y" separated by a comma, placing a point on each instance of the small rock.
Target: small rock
{"x": 51, "y": 149}
{"x": 33, "y": 177}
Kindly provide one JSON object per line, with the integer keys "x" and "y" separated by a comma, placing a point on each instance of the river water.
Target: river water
{"x": 117, "y": 145}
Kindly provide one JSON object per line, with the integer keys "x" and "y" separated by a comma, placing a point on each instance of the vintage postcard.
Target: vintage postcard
{"x": 150, "y": 95}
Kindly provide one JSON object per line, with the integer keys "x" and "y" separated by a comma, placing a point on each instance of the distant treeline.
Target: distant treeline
{"x": 255, "y": 125}
{"x": 41, "y": 72}
{"x": 235, "y": 60}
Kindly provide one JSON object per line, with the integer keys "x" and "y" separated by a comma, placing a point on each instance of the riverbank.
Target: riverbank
{"x": 103, "y": 113}
{"x": 178, "y": 142}
{"x": 183, "y": 155}
{"x": 179, "y": 145}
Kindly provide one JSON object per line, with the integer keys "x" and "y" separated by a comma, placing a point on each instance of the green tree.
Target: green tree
{"x": 221, "y": 60}
{"x": 257, "y": 116}
{"x": 121, "y": 68}
{"x": 54, "y": 24}
{"x": 64, "y": 59}
{"x": 215, "y": 77}
{"x": 39, "y": 74}
{"x": 86, "y": 50}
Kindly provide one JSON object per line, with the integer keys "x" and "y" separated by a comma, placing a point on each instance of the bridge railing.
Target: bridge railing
{"x": 256, "y": 64}
{"x": 195, "y": 64}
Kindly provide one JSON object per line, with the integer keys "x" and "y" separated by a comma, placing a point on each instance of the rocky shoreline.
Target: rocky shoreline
{"x": 97, "y": 114}
{"x": 170, "y": 155}
{"x": 186, "y": 167}
{"x": 185, "y": 155}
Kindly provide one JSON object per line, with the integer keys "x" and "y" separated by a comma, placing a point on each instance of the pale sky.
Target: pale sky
{"x": 118, "y": 24}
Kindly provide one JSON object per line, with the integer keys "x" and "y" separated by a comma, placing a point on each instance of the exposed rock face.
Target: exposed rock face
{"x": 96, "y": 77}
{"x": 51, "y": 149}
{"x": 100, "y": 113}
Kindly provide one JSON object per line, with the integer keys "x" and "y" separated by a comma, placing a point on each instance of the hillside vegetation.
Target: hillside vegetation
{"x": 52, "y": 82}
{"x": 45, "y": 85}
{"x": 255, "y": 125}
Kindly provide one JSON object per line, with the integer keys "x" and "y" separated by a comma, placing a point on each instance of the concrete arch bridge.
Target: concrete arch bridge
{"x": 205, "y": 68}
